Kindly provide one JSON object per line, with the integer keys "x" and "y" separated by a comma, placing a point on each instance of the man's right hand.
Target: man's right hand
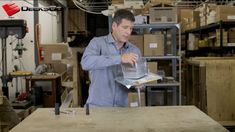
{"x": 131, "y": 58}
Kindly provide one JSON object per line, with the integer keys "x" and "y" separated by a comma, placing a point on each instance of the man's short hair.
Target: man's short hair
{"x": 123, "y": 14}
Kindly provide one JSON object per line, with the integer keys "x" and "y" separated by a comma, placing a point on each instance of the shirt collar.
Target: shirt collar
{"x": 112, "y": 41}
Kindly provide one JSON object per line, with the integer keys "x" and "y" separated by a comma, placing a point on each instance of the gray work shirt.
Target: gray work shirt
{"x": 102, "y": 59}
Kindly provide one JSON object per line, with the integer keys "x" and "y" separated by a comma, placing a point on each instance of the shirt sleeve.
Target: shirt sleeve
{"x": 92, "y": 58}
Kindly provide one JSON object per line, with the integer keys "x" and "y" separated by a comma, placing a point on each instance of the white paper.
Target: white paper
{"x": 230, "y": 17}
{"x": 134, "y": 104}
{"x": 152, "y": 45}
{"x": 56, "y": 56}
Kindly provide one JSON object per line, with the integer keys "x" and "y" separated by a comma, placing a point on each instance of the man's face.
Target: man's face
{"x": 122, "y": 31}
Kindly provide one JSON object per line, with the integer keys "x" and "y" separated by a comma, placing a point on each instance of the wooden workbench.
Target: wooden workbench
{"x": 141, "y": 119}
{"x": 54, "y": 97}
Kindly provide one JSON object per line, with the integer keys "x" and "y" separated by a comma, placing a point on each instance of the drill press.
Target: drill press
{"x": 18, "y": 28}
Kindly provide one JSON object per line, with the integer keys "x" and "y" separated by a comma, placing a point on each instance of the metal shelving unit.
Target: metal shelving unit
{"x": 203, "y": 51}
{"x": 164, "y": 84}
{"x": 174, "y": 56}
{"x": 161, "y": 57}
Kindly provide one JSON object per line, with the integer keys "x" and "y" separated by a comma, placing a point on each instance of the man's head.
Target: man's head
{"x": 123, "y": 14}
{"x": 123, "y": 23}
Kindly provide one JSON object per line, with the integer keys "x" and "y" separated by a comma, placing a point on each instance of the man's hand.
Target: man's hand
{"x": 129, "y": 58}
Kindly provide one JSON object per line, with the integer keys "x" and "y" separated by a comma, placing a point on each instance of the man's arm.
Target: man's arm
{"x": 92, "y": 58}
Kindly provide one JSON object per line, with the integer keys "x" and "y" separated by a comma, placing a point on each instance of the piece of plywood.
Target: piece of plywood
{"x": 1, "y": 97}
{"x": 141, "y": 119}
{"x": 77, "y": 20}
{"x": 216, "y": 86}
{"x": 220, "y": 91}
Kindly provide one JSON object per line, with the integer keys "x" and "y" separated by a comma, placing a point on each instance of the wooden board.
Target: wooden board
{"x": 141, "y": 119}
{"x": 1, "y": 97}
{"x": 77, "y": 20}
{"x": 220, "y": 78}
{"x": 215, "y": 91}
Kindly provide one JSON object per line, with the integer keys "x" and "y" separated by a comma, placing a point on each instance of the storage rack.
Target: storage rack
{"x": 204, "y": 30}
{"x": 174, "y": 57}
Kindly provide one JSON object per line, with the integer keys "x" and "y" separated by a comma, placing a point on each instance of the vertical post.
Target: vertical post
{"x": 221, "y": 37}
{"x": 174, "y": 61}
{"x": 139, "y": 97}
{"x": 4, "y": 68}
{"x": 110, "y": 23}
{"x": 17, "y": 90}
{"x": 36, "y": 21}
{"x": 65, "y": 23}
{"x": 180, "y": 76}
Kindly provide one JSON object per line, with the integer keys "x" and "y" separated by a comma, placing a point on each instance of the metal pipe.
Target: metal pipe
{"x": 139, "y": 97}
{"x": 4, "y": 68}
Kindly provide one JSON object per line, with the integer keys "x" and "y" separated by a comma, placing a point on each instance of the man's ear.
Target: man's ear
{"x": 114, "y": 25}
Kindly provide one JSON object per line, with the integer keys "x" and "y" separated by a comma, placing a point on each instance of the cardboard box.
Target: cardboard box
{"x": 134, "y": 3}
{"x": 163, "y": 15}
{"x": 1, "y": 97}
{"x": 225, "y": 13}
{"x": 224, "y": 38}
{"x": 203, "y": 20}
{"x": 185, "y": 14}
{"x": 133, "y": 99}
{"x": 157, "y": 2}
{"x": 117, "y": 1}
{"x": 153, "y": 45}
{"x": 184, "y": 18}
{"x": 195, "y": 20}
{"x": 138, "y": 40}
{"x": 231, "y": 36}
{"x": 53, "y": 54}
{"x": 152, "y": 66}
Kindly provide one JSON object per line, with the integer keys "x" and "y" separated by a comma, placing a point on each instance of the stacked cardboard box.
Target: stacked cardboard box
{"x": 138, "y": 40}
{"x": 1, "y": 97}
{"x": 193, "y": 42}
{"x": 133, "y": 99}
{"x": 53, "y": 54}
{"x": 231, "y": 36}
{"x": 193, "y": 20}
{"x": 163, "y": 15}
{"x": 225, "y": 13}
{"x": 210, "y": 13}
{"x": 153, "y": 45}
{"x": 134, "y": 3}
{"x": 185, "y": 15}
{"x": 152, "y": 66}
{"x": 117, "y": 1}
{"x": 153, "y": 3}
{"x": 224, "y": 38}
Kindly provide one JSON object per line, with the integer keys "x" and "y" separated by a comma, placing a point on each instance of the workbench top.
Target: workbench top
{"x": 140, "y": 119}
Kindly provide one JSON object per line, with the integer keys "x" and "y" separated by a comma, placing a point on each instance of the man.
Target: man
{"x": 103, "y": 58}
